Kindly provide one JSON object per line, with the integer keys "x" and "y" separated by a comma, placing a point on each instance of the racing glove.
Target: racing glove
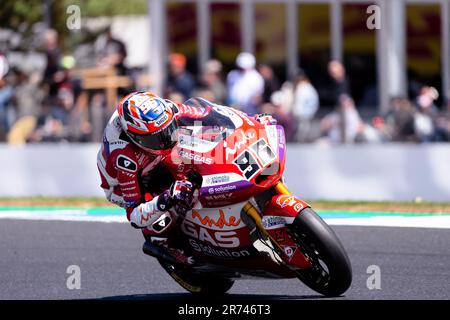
{"x": 265, "y": 119}
{"x": 183, "y": 196}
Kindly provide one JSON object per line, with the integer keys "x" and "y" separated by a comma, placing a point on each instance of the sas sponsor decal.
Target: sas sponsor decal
{"x": 220, "y": 222}
{"x": 222, "y": 189}
{"x": 223, "y": 239}
{"x": 290, "y": 201}
{"x": 195, "y": 157}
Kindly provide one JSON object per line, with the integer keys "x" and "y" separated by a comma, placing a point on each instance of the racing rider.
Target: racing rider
{"x": 138, "y": 136}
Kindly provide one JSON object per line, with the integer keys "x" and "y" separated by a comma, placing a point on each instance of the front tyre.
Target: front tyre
{"x": 196, "y": 283}
{"x": 331, "y": 272}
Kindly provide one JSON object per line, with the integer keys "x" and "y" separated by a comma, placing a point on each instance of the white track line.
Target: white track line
{"x": 61, "y": 215}
{"x": 436, "y": 221}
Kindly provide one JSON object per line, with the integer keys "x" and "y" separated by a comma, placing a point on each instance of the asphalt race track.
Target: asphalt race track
{"x": 34, "y": 257}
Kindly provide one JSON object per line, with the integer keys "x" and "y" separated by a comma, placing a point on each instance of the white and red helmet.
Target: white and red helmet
{"x": 149, "y": 121}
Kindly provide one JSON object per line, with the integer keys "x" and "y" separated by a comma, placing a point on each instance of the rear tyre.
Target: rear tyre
{"x": 197, "y": 283}
{"x": 331, "y": 272}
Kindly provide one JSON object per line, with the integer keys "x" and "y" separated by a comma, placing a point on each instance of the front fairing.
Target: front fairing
{"x": 236, "y": 156}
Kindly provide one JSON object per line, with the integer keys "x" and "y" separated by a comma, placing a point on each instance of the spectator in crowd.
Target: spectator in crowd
{"x": 27, "y": 93}
{"x": 111, "y": 52}
{"x": 50, "y": 125}
{"x": 212, "y": 81}
{"x": 6, "y": 94}
{"x": 305, "y": 105}
{"x": 52, "y": 73}
{"x": 179, "y": 79}
{"x": 339, "y": 83}
{"x": 400, "y": 120}
{"x": 73, "y": 102}
{"x": 343, "y": 125}
{"x": 279, "y": 108}
{"x": 53, "y": 111}
{"x": 176, "y": 97}
{"x": 245, "y": 85}
{"x": 271, "y": 83}
{"x": 424, "y": 119}
{"x": 443, "y": 124}
{"x": 383, "y": 132}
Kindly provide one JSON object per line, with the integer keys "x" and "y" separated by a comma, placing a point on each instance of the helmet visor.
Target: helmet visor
{"x": 161, "y": 140}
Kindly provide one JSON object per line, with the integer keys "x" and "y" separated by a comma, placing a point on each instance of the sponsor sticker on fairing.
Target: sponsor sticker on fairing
{"x": 270, "y": 222}
{"x": 223, "y": 196}
{"x": 289, "y": 251}
{"x": 272, "y": 136}
{"x": 290, "y": 201}
{"x": 196, "y": 144}
{"x": 221, "y": 178}
{"x": 221, "y": 189}
{"x": 222, "y": 253}
{"x": 217, "y": 179}
{"x": 195, "y": 157}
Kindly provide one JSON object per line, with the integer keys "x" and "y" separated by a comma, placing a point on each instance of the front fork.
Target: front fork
{"x": 260, "y": 234}
{"x": 250, "y": 210}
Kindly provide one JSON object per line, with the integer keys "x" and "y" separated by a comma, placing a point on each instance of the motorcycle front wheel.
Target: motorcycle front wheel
{"x": 331, "y": 272}
{"x": 197, "y": 283}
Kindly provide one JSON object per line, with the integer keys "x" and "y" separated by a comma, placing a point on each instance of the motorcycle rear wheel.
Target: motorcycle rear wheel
{"x": 197, "y": 283}
{"x": 331, "y": 272}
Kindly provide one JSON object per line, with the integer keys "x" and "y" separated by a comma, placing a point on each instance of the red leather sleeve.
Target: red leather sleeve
{"x": 127, "y": 168}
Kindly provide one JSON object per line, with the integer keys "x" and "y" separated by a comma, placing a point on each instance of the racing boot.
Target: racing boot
{"x": 160, "y": 247}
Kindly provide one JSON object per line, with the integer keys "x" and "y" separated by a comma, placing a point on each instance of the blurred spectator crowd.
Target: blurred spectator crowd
{"x": 52, "y": 106}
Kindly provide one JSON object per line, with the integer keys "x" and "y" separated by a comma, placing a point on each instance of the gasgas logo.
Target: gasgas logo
{"x": 220, "y": 223}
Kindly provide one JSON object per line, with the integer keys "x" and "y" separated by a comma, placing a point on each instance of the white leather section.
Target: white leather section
{"x": 145, "y": 214}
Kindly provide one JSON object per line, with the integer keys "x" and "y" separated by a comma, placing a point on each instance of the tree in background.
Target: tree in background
{"x": 27, "y": 17}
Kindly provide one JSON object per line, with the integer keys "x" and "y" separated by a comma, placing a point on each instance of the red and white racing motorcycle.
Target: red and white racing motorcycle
{"x": 246, "y": 223}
